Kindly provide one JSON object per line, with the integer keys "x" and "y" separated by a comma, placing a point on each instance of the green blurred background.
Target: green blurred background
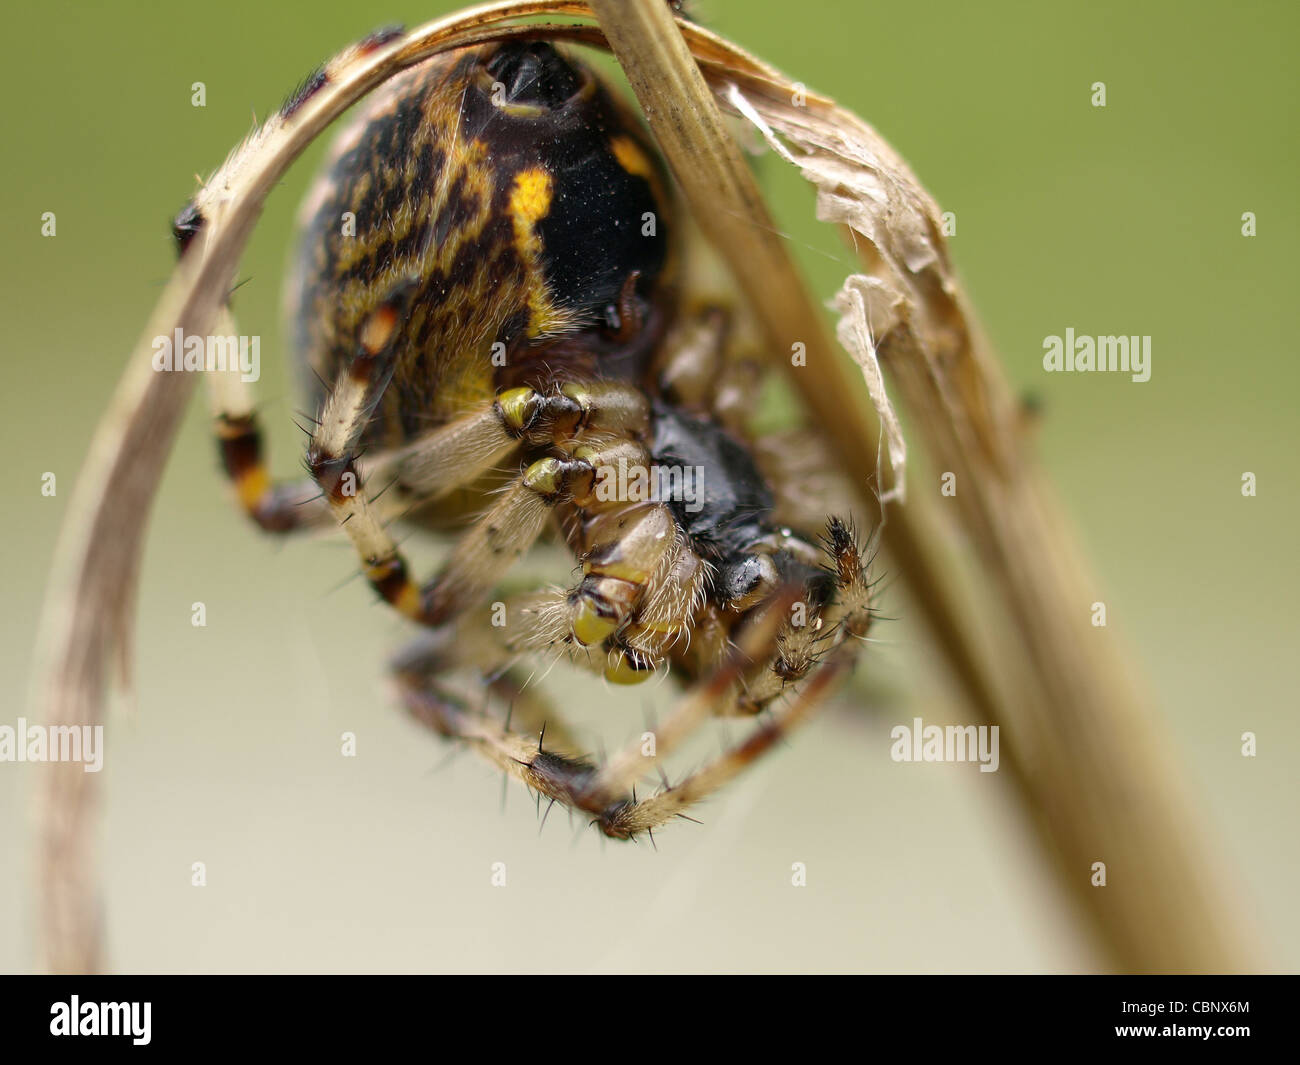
{"x": 1125, "y": 220}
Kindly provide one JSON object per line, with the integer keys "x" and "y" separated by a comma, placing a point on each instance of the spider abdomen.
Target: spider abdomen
{"x": 521, "y": 200}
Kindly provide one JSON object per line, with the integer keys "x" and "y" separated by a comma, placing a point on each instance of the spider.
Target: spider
{"x": 509, "y": 338}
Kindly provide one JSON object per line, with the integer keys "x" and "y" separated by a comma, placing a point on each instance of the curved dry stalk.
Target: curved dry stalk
{"x": 1081, "y": 750}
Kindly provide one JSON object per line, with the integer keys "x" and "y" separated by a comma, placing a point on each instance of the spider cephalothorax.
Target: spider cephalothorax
{"x": 489, "y": 295}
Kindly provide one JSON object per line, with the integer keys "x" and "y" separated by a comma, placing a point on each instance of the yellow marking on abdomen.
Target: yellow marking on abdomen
{"x": 631, "y": 157}
{"x": 530, "y": 202}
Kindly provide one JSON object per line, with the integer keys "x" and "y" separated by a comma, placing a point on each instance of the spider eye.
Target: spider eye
{"x": 534, "y": 74}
